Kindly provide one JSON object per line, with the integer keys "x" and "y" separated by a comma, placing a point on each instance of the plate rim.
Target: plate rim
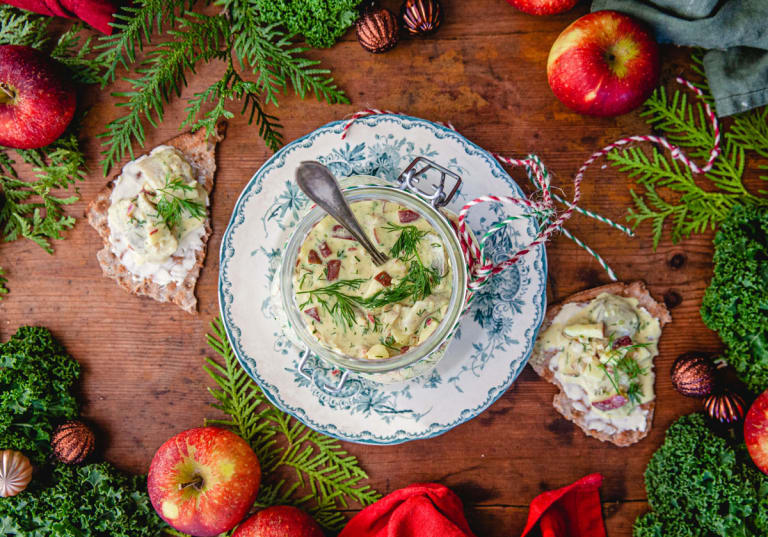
{"x": 368, "y": 437}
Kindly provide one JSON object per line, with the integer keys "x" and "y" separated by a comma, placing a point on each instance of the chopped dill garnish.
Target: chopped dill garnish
{"x": 389, "y": 342}
{"x": 417, "y": 284}
{"x": 407, "y": 244}
{"x": 171, "y": 207}
{"x": 343, "y": 308}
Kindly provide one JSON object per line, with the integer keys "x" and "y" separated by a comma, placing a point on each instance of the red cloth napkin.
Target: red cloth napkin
{"x": 572, "y": 511}
{"x": 421, "y": 510}
{"x": 96, "y": 13}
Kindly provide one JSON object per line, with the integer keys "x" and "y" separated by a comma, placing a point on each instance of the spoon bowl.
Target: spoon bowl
{"x": 319, "y": 184}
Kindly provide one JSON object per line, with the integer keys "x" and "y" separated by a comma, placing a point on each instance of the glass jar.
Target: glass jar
{"x": 428, "y": 203}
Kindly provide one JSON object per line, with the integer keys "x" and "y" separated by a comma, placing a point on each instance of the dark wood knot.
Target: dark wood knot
{"x": 676, "y": 261}
{"x": 672, "y": 299}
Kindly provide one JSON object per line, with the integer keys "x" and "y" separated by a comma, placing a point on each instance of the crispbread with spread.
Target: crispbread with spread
{"x": 200, "y": 150}
{"x": 540, "y": 361}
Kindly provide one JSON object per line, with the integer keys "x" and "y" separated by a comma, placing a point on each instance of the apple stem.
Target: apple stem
{"x": 197, "y": 483}
{"x": 6, "y": 93}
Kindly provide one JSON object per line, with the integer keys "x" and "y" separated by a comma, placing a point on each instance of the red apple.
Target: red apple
{"x": 756, "y": 431}
{"x": 203, "y": 481}
{"x": 37, "y": 99}
{"x": 279, "y": 521}
{"x": 543, "y": 7}
{"x": 604, "y": 64}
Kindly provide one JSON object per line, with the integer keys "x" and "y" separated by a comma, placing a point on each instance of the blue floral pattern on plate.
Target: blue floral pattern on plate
{"x": 495, "y": 337}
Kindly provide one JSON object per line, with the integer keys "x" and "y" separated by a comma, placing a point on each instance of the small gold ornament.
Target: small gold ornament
{"x": 377, "y": 29}
{"x": 15, "y": 472}
{"x": 421, "y": 17}
{"x": 694, "y": 375}
{"x": 725, "y": 406}
{"x": 72, "y": 442}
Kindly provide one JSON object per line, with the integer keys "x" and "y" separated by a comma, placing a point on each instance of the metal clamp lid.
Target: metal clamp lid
{"x": 412, "y": 176}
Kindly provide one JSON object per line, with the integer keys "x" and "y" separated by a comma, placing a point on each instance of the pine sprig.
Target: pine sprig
{"x": 300, "y": 467}
{"x": 232, "y": 87}
{"x": 277, "y": 62}
{"x": 750, "y": 131}
{"x": 78, "y": 56}
{"x": 161, "y": 75}
{"x": 31, "y": 209}
{"x": 134, "y": 26}
{"x": 3, "y": 282}
{"x": 19, "y": 27}
{"x": 175, "y": 41}
{"x": 669, "y": 193}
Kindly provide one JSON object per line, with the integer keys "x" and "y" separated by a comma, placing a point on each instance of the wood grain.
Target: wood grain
{"x": 484, "y": 71}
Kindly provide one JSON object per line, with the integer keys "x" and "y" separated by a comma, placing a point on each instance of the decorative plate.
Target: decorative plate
{"x": 493, "y": 342}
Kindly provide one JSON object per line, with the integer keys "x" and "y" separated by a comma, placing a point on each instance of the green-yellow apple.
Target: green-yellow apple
{"x": 756, "y": 432}
{"x": 37, "y": 99}
{"x": 203, "y": 481}
{"x": 543, "y": 7}
{"x": 279, "y": 521}
{"x": 604, "y": 64}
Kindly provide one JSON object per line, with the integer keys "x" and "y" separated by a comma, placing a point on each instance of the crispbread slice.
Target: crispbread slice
{"x": 200, "y": 150}
{"x": 567, "y": 407}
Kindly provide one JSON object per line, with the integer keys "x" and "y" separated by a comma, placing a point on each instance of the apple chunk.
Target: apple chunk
{"x": 756, "y": 432}
{"x": 204, "y": 481}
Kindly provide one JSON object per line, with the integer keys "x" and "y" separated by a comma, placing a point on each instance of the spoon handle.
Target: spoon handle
{"x": 317, "y": 182}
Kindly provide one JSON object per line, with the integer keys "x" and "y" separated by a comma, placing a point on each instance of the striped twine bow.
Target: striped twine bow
{"x": 543, "y": 208}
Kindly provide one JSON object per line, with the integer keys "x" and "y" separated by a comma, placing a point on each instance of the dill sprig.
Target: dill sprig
{"x": 418, "y": 281}
{"x": 417, "y": 284}
{"x": 407, "y": 244}
{"x": 620, "y": 361}
{"x": 171, "y": 206}
{"x": 300, "y": 467}
{"x": 342, "y": 309}
{"x": 669, "y": 193}
{"x": 390, "y": 343}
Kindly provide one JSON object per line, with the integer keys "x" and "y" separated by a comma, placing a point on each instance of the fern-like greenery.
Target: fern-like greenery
{"x": 176, "y": 40}
{"x": 669, "y": 193}
{"x": 162, "y": 74}
{"x": 22, "y": 28}
{"x": 300, "y": 467}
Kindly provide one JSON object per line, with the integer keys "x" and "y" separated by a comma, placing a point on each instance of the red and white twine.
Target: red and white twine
{"x": 481, "y": 270}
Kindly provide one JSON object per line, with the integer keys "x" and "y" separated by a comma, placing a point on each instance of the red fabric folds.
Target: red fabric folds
{"x": 572, "y": 511}
{"x": 421, "y": 510}
{"x": 95, "y": 13}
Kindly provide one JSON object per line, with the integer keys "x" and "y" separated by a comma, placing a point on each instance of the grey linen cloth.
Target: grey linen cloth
{"x": 734, "y": 32}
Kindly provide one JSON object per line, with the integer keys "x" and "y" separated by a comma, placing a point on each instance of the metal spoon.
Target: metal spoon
{"x": 318, "y": 183}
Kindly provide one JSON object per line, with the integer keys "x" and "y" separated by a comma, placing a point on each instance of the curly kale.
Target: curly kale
{"x": 36, "y": 379}
{"x": 700, "y": 486}
{"x": 94, "y": 500}
{"x": 321, "y": 22}
{"x": 736, "y": 301}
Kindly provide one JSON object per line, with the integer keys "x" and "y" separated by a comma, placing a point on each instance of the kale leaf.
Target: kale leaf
{"x": 698, "y": 485}
{"x": 736, "y": 302}
{"x": 321, "y": 22}
{"x": 36, "y": 379}
{"x": 94, "y": 500}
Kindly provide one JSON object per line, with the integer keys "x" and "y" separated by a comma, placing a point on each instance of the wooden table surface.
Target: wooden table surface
{"x": 484, "y": 71}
